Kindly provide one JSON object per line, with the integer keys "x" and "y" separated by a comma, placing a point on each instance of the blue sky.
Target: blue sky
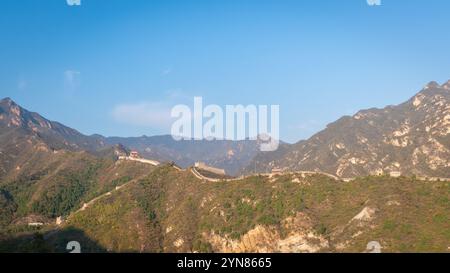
{"x": 318, "y": 59}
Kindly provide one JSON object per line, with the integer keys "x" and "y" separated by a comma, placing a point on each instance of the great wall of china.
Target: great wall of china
{"x": 203, "y": 166}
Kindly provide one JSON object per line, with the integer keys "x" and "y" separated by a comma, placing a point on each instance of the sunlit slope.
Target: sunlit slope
{"x": 172, "y": 211}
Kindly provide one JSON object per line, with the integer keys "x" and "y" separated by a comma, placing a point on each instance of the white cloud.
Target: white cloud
{"x": 146, "y": 114}
{"x": 73, "y": 2}
{"x": 22, "y": 84}
{"x": 72, "y": 78}
{"x": 374, "y": 2}
{"x": 151, "y": 114}
{"x": 177, "y": 94}
{"x": 166, "y": 71}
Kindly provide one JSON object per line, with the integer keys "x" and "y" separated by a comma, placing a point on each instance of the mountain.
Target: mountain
{"x": 171, "y": 210}
{"x": 29, "y": 142}
{"x": 19, "y": 128}
{"x": 412, "y": 138}
{"x": 48, "y": 170}
{"x": 17, "y": 120}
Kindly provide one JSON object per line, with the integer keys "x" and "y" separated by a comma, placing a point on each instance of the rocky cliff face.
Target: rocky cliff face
{"x": 299, "y": 237}
{"x": 411, "y": 138}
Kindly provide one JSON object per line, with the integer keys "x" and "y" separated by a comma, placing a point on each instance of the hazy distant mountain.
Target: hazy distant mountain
{"x": 413, "y": 138}
{"x": 229, "y": 155}
{"x": 17, "y": 125}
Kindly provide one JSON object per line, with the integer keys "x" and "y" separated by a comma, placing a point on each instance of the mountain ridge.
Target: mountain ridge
{"x": 50, "y": 171}
{"x": 417, "y": 129}
{"x": 21, "y": 123}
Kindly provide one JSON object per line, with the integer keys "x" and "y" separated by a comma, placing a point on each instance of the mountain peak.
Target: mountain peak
{"x": 8, "y": 101}
{"x": 7, "y": 105}
{"x": 54, "y": 134}
{"x": 431, "y": 85}
{"x": 446, "y": 85}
